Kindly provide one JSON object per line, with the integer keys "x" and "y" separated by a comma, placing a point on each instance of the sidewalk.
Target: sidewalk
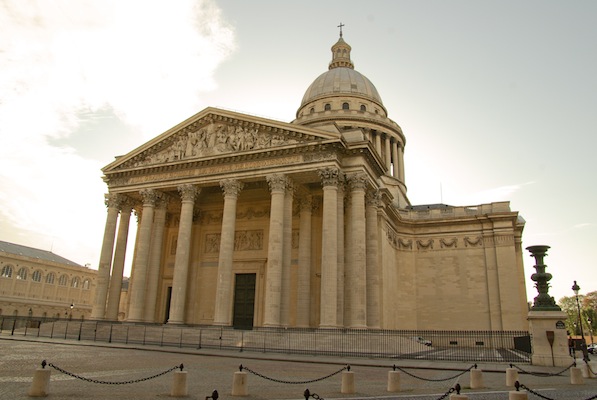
{"x": 210, "y": 369}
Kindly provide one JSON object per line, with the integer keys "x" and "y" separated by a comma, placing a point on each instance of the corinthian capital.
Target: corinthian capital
{"x": 231, "y": 187}
{"x": 149, "y": 196}
{"x": 113, "y": 200}
{"x": 358, "y": 181}
{"x": 330, "y": 176}
{"x": 188, "y": 192}
{"x": 277, "y": 182}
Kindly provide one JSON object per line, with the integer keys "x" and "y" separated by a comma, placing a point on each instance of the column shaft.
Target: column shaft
{"x": 286, "y": 256}
{"x": 373, "y": 284}
{"x": 378, "y": 142}
{"x": 329, "y": 245}
{"x": 396, "y": 162}
{"x": 223, "y": 308}
{"x": 303, "y": 302}
{"x": 388, "y": 154}
{"x": 356, "y": 278}
{"x": 188, "y": 193}
{"x": 341, "y": 255}
{"x": 105, "y": 262}
{"x": 401, "y": 161}
{"x": 275, "y": 249}
{"x": 118, "y": 267}
{"x": 155, "y": 257}
{"x": 137, "y": 292}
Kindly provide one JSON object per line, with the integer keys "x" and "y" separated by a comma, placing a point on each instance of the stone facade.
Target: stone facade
{"x": 246, "y": 221}
{"x": 40, "y": 284}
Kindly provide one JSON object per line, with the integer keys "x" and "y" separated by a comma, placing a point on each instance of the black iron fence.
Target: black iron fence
{"x": 479, "y": 346}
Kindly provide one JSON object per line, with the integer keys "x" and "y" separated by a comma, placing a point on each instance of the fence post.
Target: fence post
{"x": 576, "y": 377}
{"x": 393, "y": 381}
{"x": 347, "y": 381}
{"x": 239, "y": 383}
{"x": 179, "y": 384}
{"x": 40, "y": 385}
{"x": 518, "y": 395}
{"x": 476, "y": 378}
{"x": 511, "y": 376}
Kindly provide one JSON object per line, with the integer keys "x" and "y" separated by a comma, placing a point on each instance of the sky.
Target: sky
{"x": 497, "y": 100}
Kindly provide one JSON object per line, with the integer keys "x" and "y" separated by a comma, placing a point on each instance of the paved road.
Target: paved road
{"x": 209, "y": 370}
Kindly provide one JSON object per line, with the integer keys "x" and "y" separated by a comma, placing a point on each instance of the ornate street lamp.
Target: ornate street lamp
{"x": 543, "y": 302}
{"x": 583, "y": 344}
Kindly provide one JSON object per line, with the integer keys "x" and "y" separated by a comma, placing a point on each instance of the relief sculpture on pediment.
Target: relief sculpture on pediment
{"x": 212, "y": 139}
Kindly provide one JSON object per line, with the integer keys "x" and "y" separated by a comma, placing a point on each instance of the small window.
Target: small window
{"x": 22, "y": 274}
{"x": 75, "y": 282}
{"x": 36, "y": 277}
{"x": 312, "y": 110}
{"x": 363, "y": 108}
{"x": 327, "y": 107}
{"x": 63, "y": 280}
{"x": 345, "y": 106}
{"x": 7, "y": 271}
{"x": 86, "y": 284}
{"x": 50, "y": 278}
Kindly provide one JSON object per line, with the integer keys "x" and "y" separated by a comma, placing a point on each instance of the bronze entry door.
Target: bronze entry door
{"x": 244, "y": 301}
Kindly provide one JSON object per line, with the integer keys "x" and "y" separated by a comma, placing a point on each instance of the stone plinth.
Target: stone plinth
{"x": 542, "y": 324}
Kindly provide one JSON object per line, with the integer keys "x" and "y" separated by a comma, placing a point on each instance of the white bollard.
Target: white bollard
{"x": 476, "y": 379}
{"x": 576, "y": 376}
{"x": 584, "y": 369}
{"x": 511, "y": 376}
{"x": 518, "y": 395}
{"x": 393, "y": 381}
{"x": 458, "y": 397}
{"x": 239, "y": 384}
{"x": 179, "y": 384}
{"x": 40, "y": 386}
{"x": 347, "y": 382}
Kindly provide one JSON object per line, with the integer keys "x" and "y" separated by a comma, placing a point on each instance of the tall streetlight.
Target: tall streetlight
{"x": 583, "y": 344}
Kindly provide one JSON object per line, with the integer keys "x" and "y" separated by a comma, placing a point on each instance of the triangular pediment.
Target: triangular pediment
{"x": 214, "y": 132}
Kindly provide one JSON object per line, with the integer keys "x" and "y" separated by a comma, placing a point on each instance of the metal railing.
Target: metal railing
{"x": 478, "y": 346}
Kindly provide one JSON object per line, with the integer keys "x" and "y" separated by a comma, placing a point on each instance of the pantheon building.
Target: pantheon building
{"x": 249, "y": 222}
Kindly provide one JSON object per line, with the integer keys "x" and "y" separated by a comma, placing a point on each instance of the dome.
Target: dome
{"x": 341, "y": 80}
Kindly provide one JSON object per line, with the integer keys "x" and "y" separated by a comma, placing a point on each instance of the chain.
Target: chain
{"x": 435, "y": 380}
{"x": 443, "y": 396}
{"x": 113, "y": 383}
{"x": 533, "y": 392}
{"x": 293, "y": 382}
{"x": 543, "y": 374}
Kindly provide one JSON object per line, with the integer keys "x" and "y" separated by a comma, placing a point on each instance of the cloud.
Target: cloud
{"x": 63, "y": 65}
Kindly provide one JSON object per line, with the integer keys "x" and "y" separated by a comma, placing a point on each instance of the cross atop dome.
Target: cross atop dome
{"x": 340, "y": 26}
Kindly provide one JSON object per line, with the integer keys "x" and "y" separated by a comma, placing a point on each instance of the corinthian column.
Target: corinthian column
{"x": 388, "y": 155}
{"x": 340, "y": 214}
{"x": 118, "y": 265}
{"x": 223, "y": 310}
{"x": 329, "y": 245}
{"x": 275, "y": 249}
{"x": 155, "y": 256}
{"x": 137, "y": 293}
{"x": 356, "y": 296}
{"x": 303, "y": 301}
{"x": 188, "y": 193}
{"x": 401, "y": 161}
{"x": 396, "y": 169}
{"x": 373, "y": 293}
{"x": 286, "y": 256}
{"x": 105, "y": 263}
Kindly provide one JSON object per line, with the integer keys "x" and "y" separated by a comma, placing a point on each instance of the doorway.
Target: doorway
{"x": 244, "y": 301}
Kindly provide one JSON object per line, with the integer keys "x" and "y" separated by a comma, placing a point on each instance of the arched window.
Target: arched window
{"x": 36, "y": 277}
{"x": 312, "y": 110}
{"x": 345, "y": 106}
{"x": 75, "y": 282}
{"x": 50, "y": 278}
{"x": 327, "y": 107}
{"x": 63, "y": 280}
{"x": 363, "y": 108}
{"x": 22, "y": 274}
{"x": 7, "y": 271}
{"x": 86, "y": 284}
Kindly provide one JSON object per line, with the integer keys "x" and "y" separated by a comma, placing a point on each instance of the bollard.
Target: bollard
{"x": 511, "y": 376}
{"x": 393, "y": 381}
{"x": 517, "y": 394}
{"x": 347, "y": 381}
{"x": 179, "y": 384}
{"x": 40, "y": 386}
{"x": 239, "y": 383}
{"x": 576, "y": 376}
{"x": 458, "y": 396}
{"x": 476, "y": 378}
{"x": 584, "y": 369}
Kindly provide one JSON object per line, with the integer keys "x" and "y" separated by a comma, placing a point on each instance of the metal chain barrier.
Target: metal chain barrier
{"x": 449, "y": 392}
{"x": 109, "y": 382}
{"x": 432, "y": 379}
{"x": 293, "y": 382}
{"x": 543, "y": 374}
{"x": 519, "y": 385}
{"x": 591, "y": 372}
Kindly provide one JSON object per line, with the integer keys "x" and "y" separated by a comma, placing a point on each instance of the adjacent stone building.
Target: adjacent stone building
{"x": 40, "y": 284}
{"x": 245, "y": 221}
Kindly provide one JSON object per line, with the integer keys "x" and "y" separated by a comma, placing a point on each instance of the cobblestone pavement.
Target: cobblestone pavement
{"x": 209, "y": 370}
